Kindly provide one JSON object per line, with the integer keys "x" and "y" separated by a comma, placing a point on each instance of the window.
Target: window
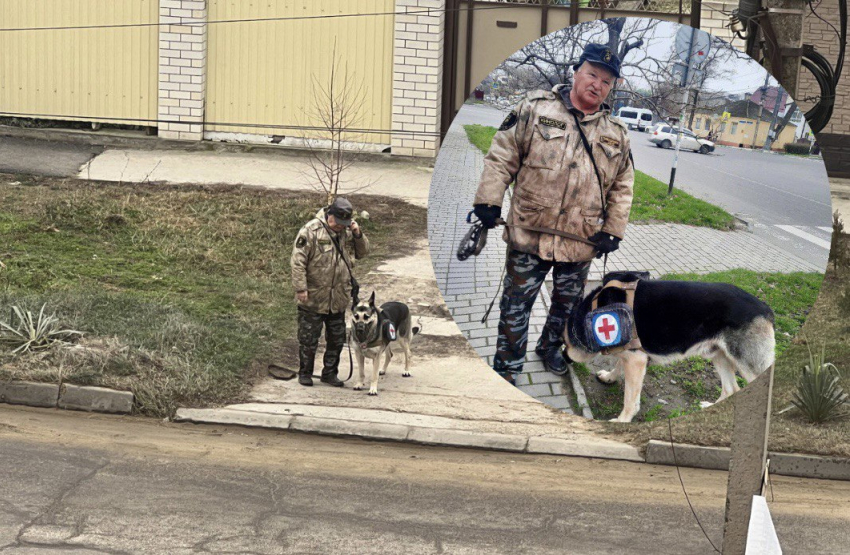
{"x": 707, "y": 123}
{"x": 630, "y": 115}
{"x": 646, "y": 117}
{"x": 723, "y": 127}
{"x": 734, "y": 127}
{"x": 666, "y": 129}
{"x": 696, "y": 125}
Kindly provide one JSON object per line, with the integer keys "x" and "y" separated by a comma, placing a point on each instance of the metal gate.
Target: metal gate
{"x": 481, "y": 34}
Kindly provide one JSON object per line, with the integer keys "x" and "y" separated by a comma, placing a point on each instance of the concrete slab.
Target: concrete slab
{"x": 407, "y": 181}
{"x": 95, "y": 399}
{"x": 30, "y": 394}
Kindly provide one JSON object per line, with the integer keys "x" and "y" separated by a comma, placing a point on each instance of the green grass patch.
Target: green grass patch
{"x": 650, "y": 203}
{"x": 184, "y": 292}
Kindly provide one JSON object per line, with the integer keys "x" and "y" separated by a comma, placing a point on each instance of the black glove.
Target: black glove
{"x": 605, "y": 243}
{"x": 487, "y": 214}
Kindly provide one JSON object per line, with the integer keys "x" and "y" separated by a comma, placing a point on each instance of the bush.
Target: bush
{"x": 796, "y": 148}
{"x": 818, "y": 395}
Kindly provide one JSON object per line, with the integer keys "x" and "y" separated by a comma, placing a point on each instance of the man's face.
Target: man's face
{"x": 591, "y": 85}
{"x": 334, "y": 225}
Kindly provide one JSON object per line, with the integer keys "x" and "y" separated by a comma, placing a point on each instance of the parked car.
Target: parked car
{"x": 635, "y": 118}
{"x": 664, "y": 136}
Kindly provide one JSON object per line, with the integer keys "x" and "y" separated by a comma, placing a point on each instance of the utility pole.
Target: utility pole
{"x": 763, "y": 92}
{"x": 768, "y": 141}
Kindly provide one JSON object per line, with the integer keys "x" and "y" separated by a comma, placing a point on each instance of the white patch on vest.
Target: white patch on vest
{"x": 606, "y": 328}
{"x": 391, "y": 330}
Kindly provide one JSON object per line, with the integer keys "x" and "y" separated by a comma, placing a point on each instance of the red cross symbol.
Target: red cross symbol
{"x": 606, "y": 328}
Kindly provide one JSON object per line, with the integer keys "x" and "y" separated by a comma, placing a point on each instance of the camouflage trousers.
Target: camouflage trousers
{"x": 309, "y": 331}
{"x": 524, "y": 275}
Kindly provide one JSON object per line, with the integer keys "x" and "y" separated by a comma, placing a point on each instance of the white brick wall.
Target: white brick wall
{"x": 417, "y": 77}
{"x": 182, "y": 68}
{"x": 713, "y": 20}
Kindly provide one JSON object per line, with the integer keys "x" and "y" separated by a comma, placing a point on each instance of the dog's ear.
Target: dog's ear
{"x": 372, "y": 300}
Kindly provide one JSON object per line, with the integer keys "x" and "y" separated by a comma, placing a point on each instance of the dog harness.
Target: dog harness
{"x": 611, "y": 329}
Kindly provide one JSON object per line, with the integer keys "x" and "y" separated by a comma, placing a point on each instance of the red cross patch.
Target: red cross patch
{"x": 606, "y": 327}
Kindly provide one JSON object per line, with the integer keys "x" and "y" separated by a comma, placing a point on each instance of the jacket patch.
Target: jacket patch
{"x": 609, "y": 141}
{"x": 300, "y": 242}
{"x": 553, "y": 123}
{"x": 509, "y": 122}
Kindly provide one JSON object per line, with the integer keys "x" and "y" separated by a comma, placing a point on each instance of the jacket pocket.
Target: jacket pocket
{"x": 608, "y": 159}
{"x": 592, "y": 221}
{"x": 528, "y": 209}
{"x": 547, "y": 149}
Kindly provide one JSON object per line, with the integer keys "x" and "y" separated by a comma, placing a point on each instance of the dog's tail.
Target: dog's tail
{"x": 418, "y": 328}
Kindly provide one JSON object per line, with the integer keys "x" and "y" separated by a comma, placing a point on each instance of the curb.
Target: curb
{"x": 414, "y": 434}
{"x": 717, "y": 458}
{"x": 66, "y": 396}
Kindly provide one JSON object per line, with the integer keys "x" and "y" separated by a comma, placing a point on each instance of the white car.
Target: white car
{"x": 664, "y": 136}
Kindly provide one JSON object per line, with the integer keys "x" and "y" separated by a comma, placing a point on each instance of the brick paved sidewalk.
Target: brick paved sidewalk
{"x": 469, "y": 286}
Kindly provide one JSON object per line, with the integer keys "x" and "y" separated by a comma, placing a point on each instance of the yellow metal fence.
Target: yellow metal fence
{"x": 104, "y": 75}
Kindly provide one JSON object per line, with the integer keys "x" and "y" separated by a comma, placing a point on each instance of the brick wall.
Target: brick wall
{"x": 713, "y": 21}
{"x": 835, "y": 137}
{"x": 417, "y": 77}
{"x": 182, "y": 68}
{"x": 819, "y": 34}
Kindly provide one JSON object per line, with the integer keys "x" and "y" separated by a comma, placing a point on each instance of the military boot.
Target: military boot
{"x": 554, "y": 360}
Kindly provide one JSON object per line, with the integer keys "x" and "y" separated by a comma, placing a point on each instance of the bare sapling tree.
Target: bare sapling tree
{"x": 336, "y": 115}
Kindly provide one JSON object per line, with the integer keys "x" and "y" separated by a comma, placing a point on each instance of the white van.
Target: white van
{"x": 635, "y": 118}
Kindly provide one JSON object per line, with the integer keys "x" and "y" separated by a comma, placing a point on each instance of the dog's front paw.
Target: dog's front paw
{"x": 606, "y": 376}
{"x": 382, "y": 373}
{"x": 405, "y": 374}
{"x": 621, "y": 418}
{"x": 358, "y": 386}
{"x": 373, "y": 390}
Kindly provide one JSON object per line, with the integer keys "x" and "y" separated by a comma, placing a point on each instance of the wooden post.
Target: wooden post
{"x": 749, "y": 453}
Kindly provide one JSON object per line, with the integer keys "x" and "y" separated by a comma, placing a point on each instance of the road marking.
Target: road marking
{"x": 803, "y": 235}
{"x": 827, "y": 229}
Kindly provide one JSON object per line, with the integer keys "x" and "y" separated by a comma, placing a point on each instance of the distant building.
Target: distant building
{"x": 740, "y": 128}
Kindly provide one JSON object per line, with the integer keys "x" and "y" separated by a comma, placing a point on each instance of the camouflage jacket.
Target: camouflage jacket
{"x": 539, "y": 147}
{"x": 318, "y": 268}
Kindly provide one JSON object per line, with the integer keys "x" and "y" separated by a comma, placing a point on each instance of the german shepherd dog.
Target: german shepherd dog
{"x": 680, "y": 319}
{"x": 377, "y": 332}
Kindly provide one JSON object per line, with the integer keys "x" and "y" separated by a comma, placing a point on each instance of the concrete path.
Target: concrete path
{"x": 408, "y": 180}
{"x": 452, "y": 398}
{"x": 469, "y": 286}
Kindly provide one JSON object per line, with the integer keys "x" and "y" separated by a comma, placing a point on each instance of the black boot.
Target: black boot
{"x": 333, "y": 380}
{"x": 554, "y": 360}
{"x": 304, "y": 379}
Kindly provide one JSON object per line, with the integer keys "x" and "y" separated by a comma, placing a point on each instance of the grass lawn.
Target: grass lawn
{"x": 683, "y": 385}
{"x": 183, "y": 292}
{"x": 650, "y": 203}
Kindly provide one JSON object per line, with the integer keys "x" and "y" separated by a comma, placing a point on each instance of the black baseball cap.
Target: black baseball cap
{"x": 342, "y": 211}
{"x": 602, "y": 55}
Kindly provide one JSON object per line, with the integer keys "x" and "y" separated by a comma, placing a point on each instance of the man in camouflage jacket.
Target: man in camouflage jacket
{"x": 321, "y": 278}
{"x": 539, "y": 147}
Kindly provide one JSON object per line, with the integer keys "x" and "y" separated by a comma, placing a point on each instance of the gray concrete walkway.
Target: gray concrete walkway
{"x": 469, "y": 286}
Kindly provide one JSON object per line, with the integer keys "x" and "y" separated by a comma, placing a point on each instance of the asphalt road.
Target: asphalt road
{"x": 786, "y": 198}
{"x": 48, "y": 158}
{"x": 98, "y": 484}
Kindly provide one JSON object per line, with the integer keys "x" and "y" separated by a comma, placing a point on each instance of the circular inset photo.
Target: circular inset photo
{"x": 626, "y": 221}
